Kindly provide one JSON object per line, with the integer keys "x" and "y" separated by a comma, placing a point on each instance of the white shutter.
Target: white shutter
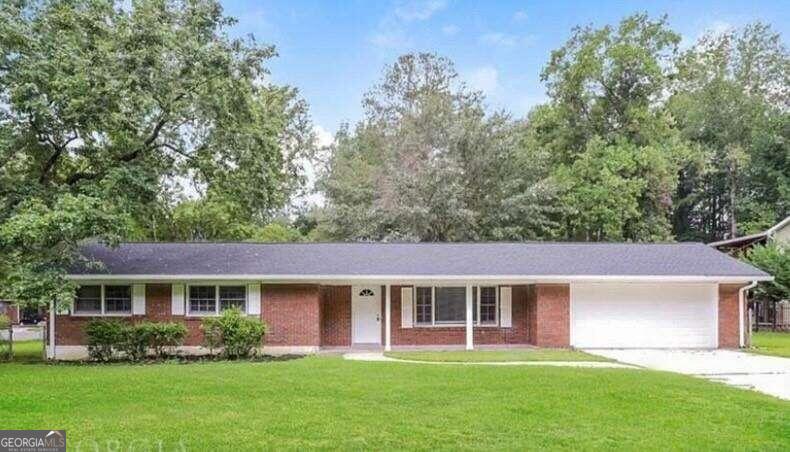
{"x": 505, "y": 306}
{"x": 138, "y": 299}
{"x": 177, "y": 299}
{"x": 406, "y": 307}
{"x": 254, "y": 299}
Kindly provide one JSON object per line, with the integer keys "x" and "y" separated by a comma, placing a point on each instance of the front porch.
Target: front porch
{"x": 444, "y": 315}
{"x": 365, "y": 348}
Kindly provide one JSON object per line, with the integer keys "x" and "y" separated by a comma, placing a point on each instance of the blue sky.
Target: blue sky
{"x": 334, "y": 51}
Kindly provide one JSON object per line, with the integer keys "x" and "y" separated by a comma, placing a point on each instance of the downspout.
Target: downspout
{"x": 51, "y": 331}
{"x": 741, "y": 298}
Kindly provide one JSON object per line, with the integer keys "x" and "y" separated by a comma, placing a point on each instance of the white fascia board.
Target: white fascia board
{"x": 394, "y": 279}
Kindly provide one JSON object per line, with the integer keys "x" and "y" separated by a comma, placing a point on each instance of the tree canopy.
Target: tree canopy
{"x": 106, "y": 106}
{"x": 147, "y": 121}
{"x": 639, "y": 141}
{"x": 428, "y": 163}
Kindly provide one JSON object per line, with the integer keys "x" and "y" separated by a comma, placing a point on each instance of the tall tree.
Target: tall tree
{"x": 428, "y": 164}
{"x": 612, "y": 146}
{"x": 105, "y": 103}
{"x": 732, "y": 100}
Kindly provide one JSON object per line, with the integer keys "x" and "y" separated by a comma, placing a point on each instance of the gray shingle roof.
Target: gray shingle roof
{"x": 415, "y": 259}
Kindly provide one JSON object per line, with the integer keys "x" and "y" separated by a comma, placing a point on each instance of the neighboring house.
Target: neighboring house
{"x": 11, "y": 310}
{"x": 779, "y": 233}
{"x": 766, "y": 314}
{"x": 330, "y": 295}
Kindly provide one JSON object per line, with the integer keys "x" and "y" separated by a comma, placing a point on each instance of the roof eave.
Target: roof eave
{"x": 419, "y": 278}
{"x": 737, "y": 240}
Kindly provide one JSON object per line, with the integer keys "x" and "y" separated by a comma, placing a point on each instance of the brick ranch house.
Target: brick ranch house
{"x": 329, "y": 295}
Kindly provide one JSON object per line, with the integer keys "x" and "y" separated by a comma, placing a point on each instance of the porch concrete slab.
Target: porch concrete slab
{"x": 380, "y": 357}
{"x": 767, "y": 374}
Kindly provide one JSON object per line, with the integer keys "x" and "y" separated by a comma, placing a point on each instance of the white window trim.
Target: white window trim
{"x": 102, "y": 301}
{"x": 188, "y": 311}
{"x": 435, "y": 324}
{"x": 496, "y": 307}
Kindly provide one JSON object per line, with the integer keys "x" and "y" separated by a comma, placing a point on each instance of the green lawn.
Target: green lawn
{"x": 497, "y": 355}
{"x": 326, "y": 402}
{"x": 770, "y": 343}
{"x": 28, "y": 351}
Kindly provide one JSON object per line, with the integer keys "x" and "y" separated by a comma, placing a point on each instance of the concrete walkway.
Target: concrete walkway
{"x": 767, "y": 374}
{"x": 379, "y": 357}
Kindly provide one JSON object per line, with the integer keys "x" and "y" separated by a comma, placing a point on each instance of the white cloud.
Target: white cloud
{"x": 485, "y": 79}
{"x": 498, "y": 39}
{"x": 323, "y": 137}
{"x": 419, "y": 9}
{"x": 520, "y": 16}
{"x": 390, "y": 38}
{"x": 391, "y": 32}
{"x": 450, "y": 30}
{"x": 506, "y": 40}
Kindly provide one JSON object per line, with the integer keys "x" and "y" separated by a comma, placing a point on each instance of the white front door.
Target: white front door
{"x": 366, "y": 315}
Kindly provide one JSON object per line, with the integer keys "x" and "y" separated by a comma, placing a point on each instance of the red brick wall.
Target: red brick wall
{"x": 517, "y": 334}
{"x": 292, "y": 313}
{"x": 729, "y": 316}
{"x": 158, "y": 302}
{"x": 532, "y": 315}
{"x": 549, "y": 306}
{"x": 336, "y": 315}
{"x": 70, "y": 330}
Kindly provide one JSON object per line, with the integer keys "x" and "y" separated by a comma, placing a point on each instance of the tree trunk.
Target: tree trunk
{"x": 733, "y": 195}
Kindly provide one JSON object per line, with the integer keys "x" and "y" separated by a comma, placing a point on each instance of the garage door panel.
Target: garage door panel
{"x": 643, "y": 315}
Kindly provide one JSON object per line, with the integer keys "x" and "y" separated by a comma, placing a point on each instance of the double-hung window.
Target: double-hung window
{"x": 213, "y": 299}
{"x": 103, "y": 300}
{"x": 487, "y": 307}
{"x": 424, "y": 305}
{"x": 446, "y": 305}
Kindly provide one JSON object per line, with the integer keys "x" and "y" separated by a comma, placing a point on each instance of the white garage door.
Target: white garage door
{"x": 644, "y": 315}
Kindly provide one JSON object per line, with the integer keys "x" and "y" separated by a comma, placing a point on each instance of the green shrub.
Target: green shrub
{"x": 5, "y": 339}
{"x": 239, "y": 336}
{"x": 212, "y": 334}
{"x": 104, "y": 338}
{"x": 108, "y": 339}
{"x": 133, "y": 342}
{"x": 163, "y": 337}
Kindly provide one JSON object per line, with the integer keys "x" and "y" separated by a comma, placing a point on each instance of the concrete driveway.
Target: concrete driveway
{"x": 768, "y": 374}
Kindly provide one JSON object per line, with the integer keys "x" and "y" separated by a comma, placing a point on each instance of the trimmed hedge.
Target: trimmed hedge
{"x": 110, "y": 339}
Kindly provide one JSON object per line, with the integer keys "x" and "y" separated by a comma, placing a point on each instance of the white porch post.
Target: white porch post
{"x": 469, "y": 324}
{"x": 51, "y": 330}
{"x": 388, "y": 318}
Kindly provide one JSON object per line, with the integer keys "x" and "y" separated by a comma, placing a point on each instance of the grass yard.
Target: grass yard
{"x": 327, "y": 402}
{"x": 771, "y": 343}
{"x": 462, "y": 356}
{"x": 28, "y": 351}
